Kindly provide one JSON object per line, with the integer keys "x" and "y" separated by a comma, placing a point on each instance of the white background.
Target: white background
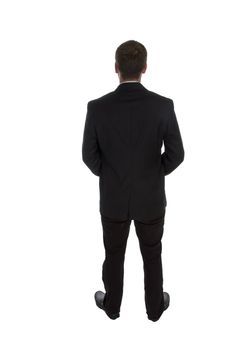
{"x": 55, "y": 57}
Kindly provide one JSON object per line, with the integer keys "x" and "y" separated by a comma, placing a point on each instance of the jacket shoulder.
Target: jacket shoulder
{"x": 159, "y": 97}
{"x": 108, "y": 97}
{"x": 104, "y": 98}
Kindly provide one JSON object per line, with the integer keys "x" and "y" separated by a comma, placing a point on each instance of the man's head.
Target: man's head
{"x": 130, "y": 60}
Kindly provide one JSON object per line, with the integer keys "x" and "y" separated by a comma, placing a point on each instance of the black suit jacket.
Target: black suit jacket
{"x": 123, "y": 135}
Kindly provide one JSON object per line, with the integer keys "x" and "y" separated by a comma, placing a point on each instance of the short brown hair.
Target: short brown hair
{"x": 131, "y": 57}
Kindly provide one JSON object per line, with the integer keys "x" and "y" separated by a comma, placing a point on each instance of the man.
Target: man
{"x": 123, "y": 135}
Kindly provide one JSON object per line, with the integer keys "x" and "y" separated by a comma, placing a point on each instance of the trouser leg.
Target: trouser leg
{"x": 149, "y": 235}
{"x": 115, "y": 235}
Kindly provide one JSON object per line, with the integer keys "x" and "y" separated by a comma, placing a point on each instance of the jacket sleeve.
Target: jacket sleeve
{"x": 173, "y": 154}
{"x": 90, "y": 147}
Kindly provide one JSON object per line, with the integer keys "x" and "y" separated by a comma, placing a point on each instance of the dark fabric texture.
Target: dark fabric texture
{"x": 123, "y": 135}
{"x": 115, "y": 235}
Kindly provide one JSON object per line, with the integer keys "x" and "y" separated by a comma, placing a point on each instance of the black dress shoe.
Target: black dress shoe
{"x": 166, "y": 298}
{"x": 100, "y": 299}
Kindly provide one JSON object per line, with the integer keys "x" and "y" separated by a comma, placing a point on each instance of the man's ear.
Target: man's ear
{"x": 117, "y": 68}
{"x": 144, "y": 69}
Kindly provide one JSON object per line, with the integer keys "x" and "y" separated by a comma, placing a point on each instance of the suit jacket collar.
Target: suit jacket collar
{"x": 130, "y": 86}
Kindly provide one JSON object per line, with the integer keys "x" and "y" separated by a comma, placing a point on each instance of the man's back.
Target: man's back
{"x": 124, "y": 132}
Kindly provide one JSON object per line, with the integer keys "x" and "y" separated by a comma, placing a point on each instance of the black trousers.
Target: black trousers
{"x": 115, "y": 235}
